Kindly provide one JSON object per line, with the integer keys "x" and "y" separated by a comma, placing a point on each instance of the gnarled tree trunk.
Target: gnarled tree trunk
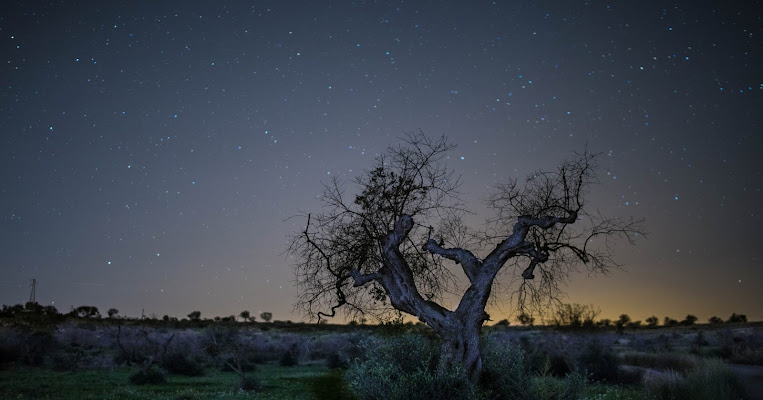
{"x": 461, "y": 349}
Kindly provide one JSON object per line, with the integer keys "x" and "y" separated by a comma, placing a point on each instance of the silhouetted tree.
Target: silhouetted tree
{"x": 669, "y": 321}
{"x": 384, "y": 248}
{"x": 622, "y": 322}
{"x": 33, "y": 307}
{"x": 87, "y": 312}
{"x": 525, "y": 319}
{"x": 604, "y": 323}
{"x": 715, "y": 320}
{"x": 194, "y": 315}
{"x": 266, "y": 316}
{"x": 689, "y": 320}
{"x": 652, "y": 321}
{"x": 112, "y": 312}
{"x": 575, "y": 315}
{"x": 50, "y": 310}
{"x": 244, "y": 315}
{"x": 737, "y": 318}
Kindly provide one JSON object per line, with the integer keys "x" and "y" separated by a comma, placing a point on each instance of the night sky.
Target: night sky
{"x": 153, "y": 151}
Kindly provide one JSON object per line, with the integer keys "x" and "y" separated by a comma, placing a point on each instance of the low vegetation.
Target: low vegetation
{"x": 112, "y": 358}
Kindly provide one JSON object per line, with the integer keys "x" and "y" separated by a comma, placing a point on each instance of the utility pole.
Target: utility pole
{"x": 34, "y": 287}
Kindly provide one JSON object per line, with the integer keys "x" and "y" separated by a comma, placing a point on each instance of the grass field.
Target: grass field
{"x": 305, "y": 382}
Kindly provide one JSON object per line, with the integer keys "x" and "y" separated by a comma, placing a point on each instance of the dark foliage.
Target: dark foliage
{"x": 506, "y": 372}
{"x": 289, "y": 358}
{"x": 8, "y": 357}
{"x": 151, "y": 376}
{"x": 405, "y": 368}
{"x": 249, "y": 385}
{"x": 180, "y": 364}
{"x": 737, "y": 318}
{"x": 599, "y": 362}
{"x": 36, "y": 346}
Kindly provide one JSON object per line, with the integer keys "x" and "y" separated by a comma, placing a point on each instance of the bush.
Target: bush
{"x": 151, "y": 376}
{"x": 505, "y": 371}
{"x": 289, "y": 357}
{"x": 179, "y": 364}
{"x": 600, "y": 363}
{"x": 36, "y": 347}
{"x": 712, "y": 380}
{"x": 549, "y": 388}
{"x": 68, "y": 358}
{"x": 248, "y": 385}
{"x": 8, "y": 356}
{"x": 405, "y": 367}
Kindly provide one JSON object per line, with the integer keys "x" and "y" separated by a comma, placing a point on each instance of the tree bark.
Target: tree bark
{"x": 461, "y": 349}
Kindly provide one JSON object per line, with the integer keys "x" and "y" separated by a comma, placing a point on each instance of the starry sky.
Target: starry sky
{"x": 152, "y": 152}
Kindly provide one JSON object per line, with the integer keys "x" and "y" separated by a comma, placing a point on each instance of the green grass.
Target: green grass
{"x": 614, "y": 392}
{"x": 304, "y": 382}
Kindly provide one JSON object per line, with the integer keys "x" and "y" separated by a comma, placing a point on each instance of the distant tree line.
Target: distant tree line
{"x": 50, "y": 313}
{"x": 584, "y": 317}
{"x": 566, "y": 315}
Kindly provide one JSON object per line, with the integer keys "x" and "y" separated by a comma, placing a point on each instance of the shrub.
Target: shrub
{"x": 36, "y": 346}
{"x": 599, "y": 362}
{"x": 179, "y": 364}
{"x": 405, "y": 367}
{"x": 68, "y": 358}
{"x": 549, "y": 388}
{"x": 712, "y": 380}
{"x": 289, "y": 357}
{"x": 151, "y": 376}
{"x": 8, "y": 357}
{"x": 505, "y": 372}
{"x": 249, "y": 385}
{"x": 662, "y": 385}
{"x": 335, "y": 361}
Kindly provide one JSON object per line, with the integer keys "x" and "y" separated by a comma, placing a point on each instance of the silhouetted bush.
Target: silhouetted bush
{"x": 689, "y": 320}
{"x": 334, "y": 361}
{"x": 179, "y": 364}
{"x": 249, "y": 385}
{"x": 8, "y": 356}
{"x": 737, "y": 318}
{"x": 289, "y": 357}
{"x": 69, "y": 358}
{"x": 151, "y": 376}
{"x": 599, "y": 362}
{"x": 36, "y": 346}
